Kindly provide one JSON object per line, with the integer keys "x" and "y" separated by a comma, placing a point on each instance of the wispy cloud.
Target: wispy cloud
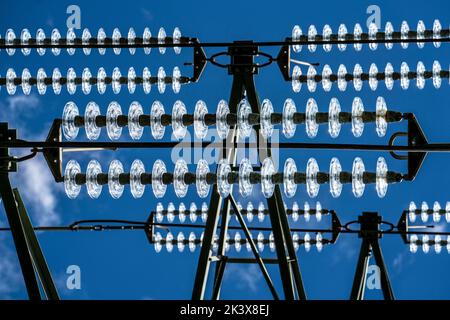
{"x": 39, "y": 190}
{"x": 33, "y": 178}
{"x": 148, "y": 15}
{"x": 11, "y": 279}
{"x": 246, "y": 277}
{"x": 345, "y": 249}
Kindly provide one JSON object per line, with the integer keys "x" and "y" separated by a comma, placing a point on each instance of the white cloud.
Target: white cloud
{"x": 33, "y": 178}
{"x": 247, "y": 277}
{"x": 38, "y": 189}
{"x": 148, "y": 15}
{"x": 11, "y": 278}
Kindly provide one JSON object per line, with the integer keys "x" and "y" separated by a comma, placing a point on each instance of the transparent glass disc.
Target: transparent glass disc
{"x": 266, "y": 118}
{"x": 90, "y": 125}
{"x": 177, "y": 40}
{"x": 312, "y": 32}
{"x": 70, "y": 40}
{"x": 288, "y": 124}
{"x": 55, "y": 37}
{"x": 404, "y": 30}
{"x": 56, "y": 81}
{"x": 25, "y": 37}
{"x": 135, "y": 111}
{"x": 70, "y": 111}
{"x": 326, "y": 74}
{"x": 335, "y": 177}
{"x": 388, "y": 31}
{"x": 131, "y": 80}
{"x": 101, "y": 81}
{"x": 94, "y": 189}
{"x": 71, "y": 85}
{"x": 312, "y": 186}
{"x": 158, "y": 170}
{"x": 290, "y": 187}
{"x": 244, "y": 127}
{"x": 389, "y": 76}
{"x": 26, "y": 86}
{"x": 178, "y": 127}
{"x": 342, "y": 32}
{"x": 420, "y": 33}
{"x": 221, "y": 119}
{"x": 85, "y": 38}
{"x": 358, "y": 184}
{"x": 71, "y": 188}
{"x": 437, "y": 74}
{"x": 162, "y": 40}
{"x": 296, "y": 34}
{"x": 161, "y": 80}
{"x": 357, "y": 81}
{"x": 373, "y": 29}
{"x": 334, "y": 126}
{"x": 381, "y": 177}
{"x": 381, "y": 123}
{"x": 326, "y": 34}
{"x": 40, "y": 81}
{"x": 176, "y": 76}
{"x": 116, "y": 40}
{"x": 404, "y": 76}
{"x": 311, "y": 125}
{"x": 357, "y": 31}
{"x": 245, "y": 169}
{"x": 200, "y": 127}
{"x": 156, "y": 126}
{"x": 114, "y": 172}
{"x": 101, "y": 36}
{"x": 412, "y": 212}
{"x": 146, "y": 80}
{"x": 373, "y": 81}
{"x": 136, "y": 186}
{"x": 179, "y": 184}
{"x": 86, "y": 81}
{"x": 131, "y": 40}
{"x": 310, "y": 79}
{"x": 115, "y": 83}
{"x": 342, "y": 82}
{"x": 112, "y": 127}
{"x": 357, "y": 120}
{"x": 296, "y": 83}
{"x": 267, "y": 171}
{"x": 420, "y": 79}
{"x": 201, "y": 183}
{"x": 223, "y": 186}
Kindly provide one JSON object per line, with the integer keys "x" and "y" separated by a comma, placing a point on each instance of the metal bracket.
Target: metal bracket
{"x": 283, "y": 61}
{"x": 7, "y": 135}
{"x": 53, "y": 156}
{"x": 416, "y": 137}
{"x": 200, "y": 61}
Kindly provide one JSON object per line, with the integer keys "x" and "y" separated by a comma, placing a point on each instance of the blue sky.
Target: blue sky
{"x": 123, "y": 265}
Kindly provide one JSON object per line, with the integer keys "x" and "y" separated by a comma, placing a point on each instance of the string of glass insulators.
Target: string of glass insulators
{"x": 223, "y": 119}
{"x": 116, "y": 178}
{"x": 251, "y": 212}
{"x": 87, "y": 81}
{"x": 424, "y": 211}
{"x": 358, "y": 77}
{"x": 420, "y": 36}
{"x": 236, "y": 242}
{"x": 55, "y": 42}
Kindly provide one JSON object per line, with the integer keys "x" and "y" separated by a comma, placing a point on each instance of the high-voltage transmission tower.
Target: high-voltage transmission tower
{"x": 235, "y": 120}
